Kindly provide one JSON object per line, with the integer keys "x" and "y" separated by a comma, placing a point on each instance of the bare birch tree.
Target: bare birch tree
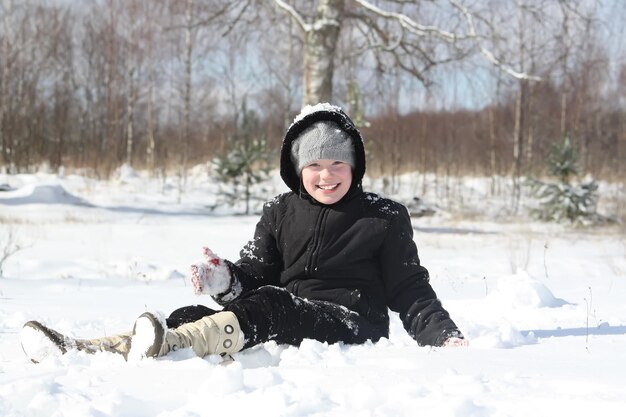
{"x": 391, "y": 32}
{"x": 131, "y": 74}
{"x": 321, "y": 36}
{"x": 151, "y": 29}
{"x": 4, "y": 95}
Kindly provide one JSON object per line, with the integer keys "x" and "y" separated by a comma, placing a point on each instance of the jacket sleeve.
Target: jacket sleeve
{"x": 407, "y": 287}
{"x": 260, "y": 260}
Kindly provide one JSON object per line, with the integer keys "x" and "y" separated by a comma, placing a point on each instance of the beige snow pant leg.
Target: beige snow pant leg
{"x": 119, "y": 343}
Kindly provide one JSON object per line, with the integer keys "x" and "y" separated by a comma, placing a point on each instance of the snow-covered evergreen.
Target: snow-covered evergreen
{"x": 563, "y": 199}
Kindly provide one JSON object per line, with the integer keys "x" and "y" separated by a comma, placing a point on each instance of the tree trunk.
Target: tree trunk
{"x": 130, "y": 108}
{"x": 108, "y": 154}
{"x": 131, "y": 59}
{"x": 151, "y": 145}
{"x": 4, "y": 141}
{"x": 492, "y": 148}
{"x": 187, "y": 96}
{"x": 520, "y": 120}
{"x": 288, "y": 85}
{"x": 530, "y": 141}
{"x": 320, "y": 44}
{"x": 150, "y": 148}
{"x": 518, "y": 141}
{"x": 564, "y": 62}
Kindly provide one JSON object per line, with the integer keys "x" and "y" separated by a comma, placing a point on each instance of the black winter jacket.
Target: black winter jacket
{"x": 358, "y": 252}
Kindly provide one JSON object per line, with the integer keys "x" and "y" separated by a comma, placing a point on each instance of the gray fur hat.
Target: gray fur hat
{"x": 322, "y": 140}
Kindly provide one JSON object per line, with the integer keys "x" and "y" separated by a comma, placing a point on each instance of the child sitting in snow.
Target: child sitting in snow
{"x": 326, "y": 262}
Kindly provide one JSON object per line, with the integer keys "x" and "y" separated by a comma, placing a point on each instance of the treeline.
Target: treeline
{"x": 483, "y": 142}
{"x": 165, "y": 84}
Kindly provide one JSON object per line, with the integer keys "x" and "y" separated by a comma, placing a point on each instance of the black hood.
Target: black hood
{"x": 310, "y": 115}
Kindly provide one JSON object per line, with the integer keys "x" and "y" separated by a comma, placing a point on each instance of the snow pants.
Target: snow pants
{"x": 272, "y": 313}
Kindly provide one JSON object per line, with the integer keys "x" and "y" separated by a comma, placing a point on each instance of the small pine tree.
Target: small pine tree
{"x": 563, "y": 161}
{"x": 244, "y": 163}
{"x": 563, "y": 200}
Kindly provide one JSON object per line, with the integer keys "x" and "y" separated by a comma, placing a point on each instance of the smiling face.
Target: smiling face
{"x": 327, "y": 180}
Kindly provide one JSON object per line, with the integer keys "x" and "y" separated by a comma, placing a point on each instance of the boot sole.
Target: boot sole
{"x": 147, "y": 339}
{"x": 39, "y": 342}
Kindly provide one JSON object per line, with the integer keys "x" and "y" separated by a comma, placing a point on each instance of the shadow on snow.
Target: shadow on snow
{"x": 602, "y": 330}
{"x": 453, "y": 231}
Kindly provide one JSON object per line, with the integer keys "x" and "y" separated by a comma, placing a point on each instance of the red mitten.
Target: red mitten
{"x": 210, "y": 275}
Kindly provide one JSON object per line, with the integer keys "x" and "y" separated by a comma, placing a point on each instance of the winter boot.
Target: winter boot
{"x": 218, "y": 333}
{"x": 39, "y": 342}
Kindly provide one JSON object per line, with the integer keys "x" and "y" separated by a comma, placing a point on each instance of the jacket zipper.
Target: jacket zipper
{"x": 317, "y": 241}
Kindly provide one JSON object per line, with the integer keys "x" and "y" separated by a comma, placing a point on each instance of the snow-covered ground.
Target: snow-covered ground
{"x": 543, "y": 306}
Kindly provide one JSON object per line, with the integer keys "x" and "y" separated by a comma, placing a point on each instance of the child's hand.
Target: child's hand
{"x": 210, "y": 275}
{"x": 456, "y": 342}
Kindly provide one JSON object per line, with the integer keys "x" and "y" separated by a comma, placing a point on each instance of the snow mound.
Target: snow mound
{"x": 41, "y": 194}
{"x": 520, "y": 290}
{"x": 126, "y": 173}
{"x": 499, "y": 336}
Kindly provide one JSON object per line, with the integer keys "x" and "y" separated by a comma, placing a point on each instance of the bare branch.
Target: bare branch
{"x": 411, "y": 25}
{"x": 420, "y": 30}
{"x": 204, "y": 22}
{"x": 484, "y": 51}
{"x": 9, "y": 248}
{"x": 287, "y": 8}
{"x": 236, "y": 20}
{"x": 387, "y": 45}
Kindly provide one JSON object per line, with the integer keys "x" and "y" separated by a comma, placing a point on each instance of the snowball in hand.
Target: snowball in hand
{"x": 210, "y": 275}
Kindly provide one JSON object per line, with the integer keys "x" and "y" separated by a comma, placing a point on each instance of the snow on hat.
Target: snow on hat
{"x": 322, "y": 140}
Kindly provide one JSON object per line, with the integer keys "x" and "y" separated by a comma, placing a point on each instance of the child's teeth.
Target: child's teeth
{"x": 327, "y": 187}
